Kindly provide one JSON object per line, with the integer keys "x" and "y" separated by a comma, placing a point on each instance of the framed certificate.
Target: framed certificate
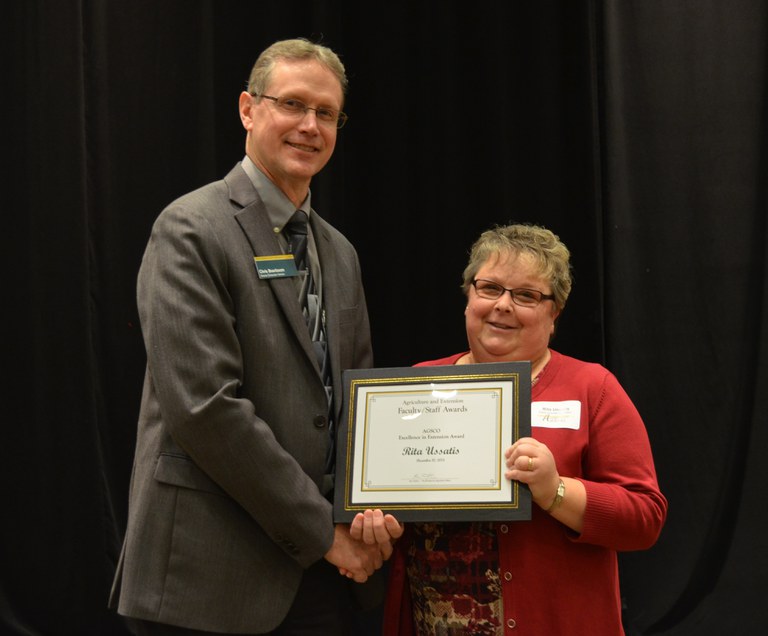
{"x": 427, "y": 443}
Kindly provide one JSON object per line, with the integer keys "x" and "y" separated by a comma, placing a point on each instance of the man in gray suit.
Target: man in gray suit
{"x": 230, "y": 526}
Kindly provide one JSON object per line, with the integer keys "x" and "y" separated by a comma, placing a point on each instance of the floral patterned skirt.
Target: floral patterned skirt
{"x": 453, "y": 571}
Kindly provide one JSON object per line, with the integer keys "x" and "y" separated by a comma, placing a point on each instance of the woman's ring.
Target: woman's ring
{"x": 530, "y": 463}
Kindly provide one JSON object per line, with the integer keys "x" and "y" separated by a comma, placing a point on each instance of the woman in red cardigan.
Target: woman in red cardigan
{"x": 588, "y": 465}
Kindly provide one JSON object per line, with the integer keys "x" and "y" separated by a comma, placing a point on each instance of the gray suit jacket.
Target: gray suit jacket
{"x": 225, "y": 507}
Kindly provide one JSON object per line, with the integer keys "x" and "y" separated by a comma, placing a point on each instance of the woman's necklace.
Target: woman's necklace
{"x": 469, "y": 359}
{"x": 537, "y": 377}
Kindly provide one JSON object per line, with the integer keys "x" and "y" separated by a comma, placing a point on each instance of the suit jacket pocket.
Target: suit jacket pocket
{"x": 178, "y": 470}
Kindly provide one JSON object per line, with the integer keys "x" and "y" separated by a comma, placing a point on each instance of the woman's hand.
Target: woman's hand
{"x": 374, "y": 527}
{"x": 531, "y": 462}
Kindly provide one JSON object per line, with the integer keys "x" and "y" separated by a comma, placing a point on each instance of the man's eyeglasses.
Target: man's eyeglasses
{"x": 293, "y": 106}
{"x": 520, "y": 296}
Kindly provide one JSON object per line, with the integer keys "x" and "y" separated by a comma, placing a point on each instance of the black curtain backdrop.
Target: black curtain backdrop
{"x": 634, "y": 129}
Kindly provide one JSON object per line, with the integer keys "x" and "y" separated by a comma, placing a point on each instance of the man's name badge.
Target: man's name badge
{"x": 277, "y": 266}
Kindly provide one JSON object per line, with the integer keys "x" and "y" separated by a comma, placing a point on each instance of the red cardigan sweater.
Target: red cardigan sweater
{"x": 555, "y": 581}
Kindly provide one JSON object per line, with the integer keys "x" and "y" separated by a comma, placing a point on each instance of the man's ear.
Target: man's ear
{"x": 244, "y": 106}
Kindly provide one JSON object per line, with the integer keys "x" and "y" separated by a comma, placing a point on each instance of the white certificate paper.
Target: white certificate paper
{"x": 427, "y": 443}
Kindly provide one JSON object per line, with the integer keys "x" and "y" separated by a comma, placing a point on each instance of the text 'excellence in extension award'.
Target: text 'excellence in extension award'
{"x": 427, "y": 443}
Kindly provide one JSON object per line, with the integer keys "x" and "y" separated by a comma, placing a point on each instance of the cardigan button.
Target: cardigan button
{"x": 504, "y": 528}
{"x": 511, "y": 623}
{"x": 507, "y": 576}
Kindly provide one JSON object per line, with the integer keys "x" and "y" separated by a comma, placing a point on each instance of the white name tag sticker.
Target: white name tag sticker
{"x": 565, "y": 414}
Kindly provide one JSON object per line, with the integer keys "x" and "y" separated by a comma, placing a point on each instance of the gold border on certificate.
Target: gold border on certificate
{"x": 427, "y": 443}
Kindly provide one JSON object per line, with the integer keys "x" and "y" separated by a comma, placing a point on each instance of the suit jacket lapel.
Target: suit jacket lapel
{"x": 254, "y": 222}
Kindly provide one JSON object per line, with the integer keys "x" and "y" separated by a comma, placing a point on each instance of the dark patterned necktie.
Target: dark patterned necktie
{"x": 309, "y": 299}
{"x": 296, "y": 234}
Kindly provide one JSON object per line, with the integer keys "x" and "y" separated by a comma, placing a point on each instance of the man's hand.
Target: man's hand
{"x": 354, "y": 558}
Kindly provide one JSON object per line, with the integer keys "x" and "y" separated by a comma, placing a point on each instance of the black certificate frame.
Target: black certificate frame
{"x": 510, "y": 382}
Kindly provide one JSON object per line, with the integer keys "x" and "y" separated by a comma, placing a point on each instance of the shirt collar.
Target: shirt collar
{"x": 279, "y": 207}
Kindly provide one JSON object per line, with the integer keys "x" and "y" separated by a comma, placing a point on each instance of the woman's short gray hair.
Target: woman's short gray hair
{"x": 551, "y": 256}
